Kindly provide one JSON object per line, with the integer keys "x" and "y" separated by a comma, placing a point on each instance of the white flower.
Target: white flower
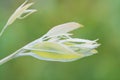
{"x": 21, "y": 10}
{"x": 58, "y": 45}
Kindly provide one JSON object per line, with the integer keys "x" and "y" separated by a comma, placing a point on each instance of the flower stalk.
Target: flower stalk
{"x": 8, "y": 58}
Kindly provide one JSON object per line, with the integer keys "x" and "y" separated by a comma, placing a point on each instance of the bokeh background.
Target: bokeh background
{"x": 101, "y": 19}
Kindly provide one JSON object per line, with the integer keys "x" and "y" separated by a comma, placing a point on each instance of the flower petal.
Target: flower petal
{"x": 52, "y": 51}
{"x": 27, "y": 13}
{"x": 63, "y": 28}
{"x": 48, "y": 56}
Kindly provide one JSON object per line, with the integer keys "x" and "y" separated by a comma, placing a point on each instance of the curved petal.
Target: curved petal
{"x": 63, "y": 28}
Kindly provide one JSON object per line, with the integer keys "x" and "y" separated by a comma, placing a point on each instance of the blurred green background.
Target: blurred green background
{"x": 101, "y": 19}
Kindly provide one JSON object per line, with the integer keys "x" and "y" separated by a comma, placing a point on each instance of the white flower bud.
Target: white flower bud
{"x": 57, "y": 45}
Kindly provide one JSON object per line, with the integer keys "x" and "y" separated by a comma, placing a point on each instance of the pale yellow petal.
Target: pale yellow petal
{"x": 50, "y": 56}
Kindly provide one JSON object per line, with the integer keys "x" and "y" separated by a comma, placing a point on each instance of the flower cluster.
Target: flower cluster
{"x": 56, "y": 45}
